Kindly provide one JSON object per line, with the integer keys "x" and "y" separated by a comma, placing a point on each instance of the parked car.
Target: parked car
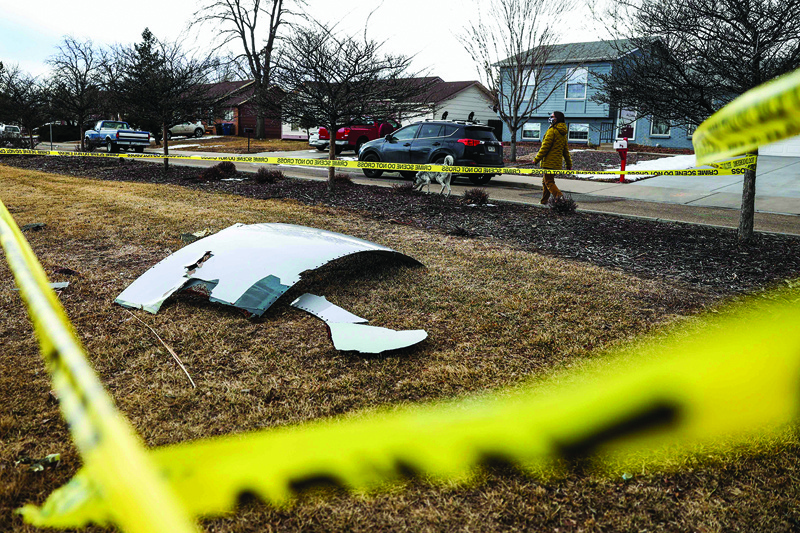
{"x": 313, "y": 140}
{"x": 13, "y": 132}
{"x": 356, "y": 134}
{"x": 470, "y": 144}
{"x": 188, "y": 129}
{"x": 116, "y": 135}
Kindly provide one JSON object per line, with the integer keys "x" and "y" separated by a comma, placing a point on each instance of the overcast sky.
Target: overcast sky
{"x": 30, "y": 31}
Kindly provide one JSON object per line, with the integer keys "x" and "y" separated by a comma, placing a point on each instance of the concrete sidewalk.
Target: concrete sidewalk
{"x": 777, "y": 188}
{"x": 711, "y": 200}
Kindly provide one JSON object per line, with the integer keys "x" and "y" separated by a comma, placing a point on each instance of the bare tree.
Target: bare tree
{"x": 694, "y": 56}
{"x": 158, "y": 85}
{"x": 512, "y": 45}
{"x": 242, "y": 22}
{"x": 24, "y": 100}
{"x": 331, "y": 79}
{"x": 76, "y": 80}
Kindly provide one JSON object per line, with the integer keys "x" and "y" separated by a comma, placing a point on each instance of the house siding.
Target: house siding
{"x": 460, "y": 106}
{"x": 586, "y": 111}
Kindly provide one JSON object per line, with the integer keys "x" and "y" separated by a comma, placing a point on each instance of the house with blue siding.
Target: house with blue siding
{"x": 576, "y": 67}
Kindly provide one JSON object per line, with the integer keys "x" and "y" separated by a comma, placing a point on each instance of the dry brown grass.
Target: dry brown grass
{"x": 231, "y": 144}
{"x": 496, "y": 316}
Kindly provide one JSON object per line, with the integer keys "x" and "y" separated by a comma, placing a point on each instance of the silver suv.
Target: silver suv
{"x": 188, "y": 129}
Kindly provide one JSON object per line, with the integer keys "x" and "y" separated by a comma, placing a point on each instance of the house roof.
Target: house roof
{"x": 233, "y": 93}
{"x": 440, "y": 90}
{"x": 586, "y": 52}
{"x": 448, "y": 89}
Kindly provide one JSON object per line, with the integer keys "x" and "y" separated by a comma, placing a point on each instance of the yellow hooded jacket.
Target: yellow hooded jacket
{"x": 554, "y": 147}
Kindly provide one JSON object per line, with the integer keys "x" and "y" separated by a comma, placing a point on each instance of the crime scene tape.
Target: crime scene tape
{"x": 128, "y": 486}
{"x": 736, "y": 166}
{"x": 735, "y": 379}
{"x": 766, "y": 114}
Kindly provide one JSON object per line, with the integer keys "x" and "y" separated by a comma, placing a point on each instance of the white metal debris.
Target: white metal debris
{"x": 246, "y": 266}
{"x": 349, "y": 334}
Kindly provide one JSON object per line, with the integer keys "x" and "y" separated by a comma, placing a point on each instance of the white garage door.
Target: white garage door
{"x": 789, "y": 148}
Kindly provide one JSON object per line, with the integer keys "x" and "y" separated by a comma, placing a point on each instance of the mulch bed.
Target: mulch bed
{"x": 703, "y": 258}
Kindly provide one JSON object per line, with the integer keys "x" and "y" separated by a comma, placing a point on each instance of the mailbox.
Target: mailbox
{"x": 622, "y": 149}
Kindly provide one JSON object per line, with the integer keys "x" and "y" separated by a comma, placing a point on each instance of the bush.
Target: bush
{"x": 340, "y": 179}
{"x": 476, "y": 196}
{"x": 212, "y": 174}
{"x": 268, "y": 175}
{"x": 562, "y": 205}
{"x": 14, "y": 142}
{"x": 405, "y": 189}
{"x": 60, "y": 133}
{"x": 227, "y": 168}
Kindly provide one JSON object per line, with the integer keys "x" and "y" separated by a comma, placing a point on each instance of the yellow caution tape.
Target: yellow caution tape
{"x": 735, "y": 166}
{"x": 737, "y": 378}
{"x": 127, "y": 486}
{"x": 766, "y": 114}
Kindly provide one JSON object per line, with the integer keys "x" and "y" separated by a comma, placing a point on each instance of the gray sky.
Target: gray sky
{"x": 30, "y": 31}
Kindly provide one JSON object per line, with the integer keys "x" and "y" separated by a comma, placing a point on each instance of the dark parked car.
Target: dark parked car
{"x": 470, "y": 144}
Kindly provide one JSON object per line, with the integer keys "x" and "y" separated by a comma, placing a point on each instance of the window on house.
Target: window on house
{"x": 626, "y": 124}
{"x": 576, "y": 84}
{"x": 531, "y": 131}
{"x": 578, "y": 132}
{"x": 659, "y": 128}
{"x": 690, "y": 130}
{"x": 228, "y": 114}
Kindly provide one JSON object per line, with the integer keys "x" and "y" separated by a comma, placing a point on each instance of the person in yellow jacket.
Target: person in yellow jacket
{"x": 553, "y": 150}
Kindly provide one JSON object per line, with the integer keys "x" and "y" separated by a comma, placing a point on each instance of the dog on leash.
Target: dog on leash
{"x": 442, "y": 178}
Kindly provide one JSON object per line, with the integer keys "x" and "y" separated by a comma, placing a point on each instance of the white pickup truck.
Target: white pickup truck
{"x": 116, "y": 135}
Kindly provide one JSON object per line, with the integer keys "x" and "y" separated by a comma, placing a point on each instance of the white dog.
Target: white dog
{"x": 442, "y": 178}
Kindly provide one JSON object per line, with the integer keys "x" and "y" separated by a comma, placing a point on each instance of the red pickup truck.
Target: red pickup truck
{"x": 352, "y": 136}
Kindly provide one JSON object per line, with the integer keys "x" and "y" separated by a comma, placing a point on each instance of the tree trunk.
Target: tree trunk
{"x": 80, "y": 129}
{"x": 513, "y": 156}
{"x": 260, "y": 129}
{"x": 747, "y": 213}
{"x": 332, "y": 157}
{"x": 166, "y": 148}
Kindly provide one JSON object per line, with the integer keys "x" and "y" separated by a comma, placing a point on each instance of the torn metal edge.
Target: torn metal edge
{"x": 348, "y": 333}
{"x": 278, "y": 252}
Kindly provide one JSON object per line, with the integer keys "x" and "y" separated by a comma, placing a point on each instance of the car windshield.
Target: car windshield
{"x": 12, "y": 129}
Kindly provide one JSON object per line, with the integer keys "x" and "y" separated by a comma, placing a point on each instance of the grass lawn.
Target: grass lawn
{"x": 496, "y": 316}
{"x": 231, "y": 144}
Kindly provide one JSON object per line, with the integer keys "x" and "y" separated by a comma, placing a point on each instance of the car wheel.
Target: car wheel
{"x": 322, "y": 149}
{"x": 169, "y": 135}
{"x": 110, "y": 148}
{"x": 480, "y": 179}
{"x": 139, "y": 149}
{"x": 372, "y": 173}
{"x": 87, "y": 145}
{"x": 338, "y": 149}
{"x": 198, "y": 133}
{"x": 408, "y": 174}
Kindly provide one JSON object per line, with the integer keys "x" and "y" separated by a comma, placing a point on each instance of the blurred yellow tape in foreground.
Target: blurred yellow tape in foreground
{"x": 737, "y": 378}
{"x": 763, "y": 115}
{"x": 127, "y": 486}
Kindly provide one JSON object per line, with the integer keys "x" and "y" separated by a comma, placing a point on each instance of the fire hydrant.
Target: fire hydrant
{"x": 622, "y": 149}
